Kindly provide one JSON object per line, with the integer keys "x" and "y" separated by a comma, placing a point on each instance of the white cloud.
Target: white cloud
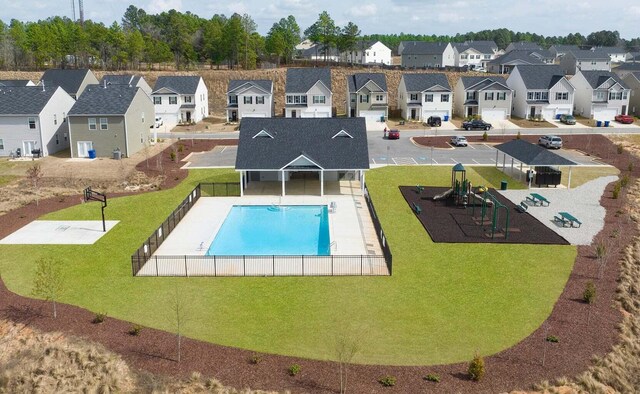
{"x": 364, "y": 10}
{"x": 157, "y": 6}
{"x": 239, "y": 8}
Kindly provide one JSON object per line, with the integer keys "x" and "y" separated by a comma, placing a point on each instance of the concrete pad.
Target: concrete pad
{"x": 617, "y": 125}
{"x": 503, "y": 124}
{"x": 59, "y": 232}
{"x": 561, "y": 125}
{"x": 376, "y": 126}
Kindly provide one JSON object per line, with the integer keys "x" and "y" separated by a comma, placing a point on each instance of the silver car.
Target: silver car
{"x": 458, "y": 140}
{"x": 550, "y": 141}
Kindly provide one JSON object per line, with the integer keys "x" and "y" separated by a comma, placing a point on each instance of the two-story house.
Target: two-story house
{"x": 319, "y": 52}
{"x": 586, "y": 60}
{"x": 180, "y": 99}
{"x": 109, "y": 118}
{"x": 422, "y": 54}
{"x": 475, "y": 54}
{"x": 540, "y": 91}
{"x": 632, "y": 80}
{"x": 423, "y": 95}
{"x": 72, "y": 81}
{"x": 368, "y": 52}
{"x": 505, "y": 63}
{"x": 559, "y": 50}
{"x": 127, "y": 79}
{"x": 33, "y": 118}
{"x": 600, "y": 95}
{"x": 626, "y": 68}
{"x": 308, "y": 93}
{"x": 487, "y": 97}
{"x": 616, "y": 54}
{"x": 367, "y": 96}
{"x": 249, "y": 99}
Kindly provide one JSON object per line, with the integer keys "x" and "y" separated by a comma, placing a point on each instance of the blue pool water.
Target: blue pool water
{"x": 273, "y": 230}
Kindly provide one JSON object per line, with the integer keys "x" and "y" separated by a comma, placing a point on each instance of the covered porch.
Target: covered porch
{"x": 287, "y": 182}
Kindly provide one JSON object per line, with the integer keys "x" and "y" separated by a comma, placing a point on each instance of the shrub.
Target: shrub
{"x": 172, "y": 156}
{"x": 99, "y": 318}
{"x": 180, "y": 147}
{"x": 589, "y": 294}
{"x": 485, "y": 136}
{"x": 388, "y": 381}
{"x": 630, "y": 166}
{"x": 624, "y": 181}
{"x": 476, "y": 368}
{"x": 135, "y": 330}
{"x": 294, "y": 369}
{"x": 518, "y": 136}
{"x": 620, "y": 148}
{"x": 616, "y": 191}
{"x": 552, "y": 338}
{"x": 432, "y": 378}
{"x": 256, "y": 358}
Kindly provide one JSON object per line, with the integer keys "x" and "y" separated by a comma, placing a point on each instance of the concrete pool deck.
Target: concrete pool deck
{"x": 59, "y": 232}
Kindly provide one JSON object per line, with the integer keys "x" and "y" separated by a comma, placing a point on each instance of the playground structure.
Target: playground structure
{"x": 91, "y": 195}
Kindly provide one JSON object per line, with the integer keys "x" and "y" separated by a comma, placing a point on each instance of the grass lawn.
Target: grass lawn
{"x": 582, "y": 175}
{"x": 443, "y": 302}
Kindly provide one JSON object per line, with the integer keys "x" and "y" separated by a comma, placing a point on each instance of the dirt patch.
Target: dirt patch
{"x": 208, "y": 125}
{"x": 531, "y": 124}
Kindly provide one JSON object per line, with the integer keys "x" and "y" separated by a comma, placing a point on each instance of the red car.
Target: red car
{"x": 627, "y": 119}
{"x": 393, "y": 134}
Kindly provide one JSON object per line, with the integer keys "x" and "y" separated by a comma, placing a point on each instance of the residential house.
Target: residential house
{"x": 127, "y": 79}
{"x": 16, "y": 82}
{"x": 540, "y": 91}
{"x": 422, "y": 54}
{"x": 505, "y": 63}
{"x": 367, "y": 96}
{"x": 616, "y": 54}
{"x": 308, "y": 93}
{"x": 475, "y": 54}
{"x": 487, "y": 97}
{"x": 72, "y": 81}
{"x": 585, "y": 59}
{"x": 249, "y": 99}
{"x": 633, "y": 57}
{"x": 282, "y": 150}
{"x": 180, "y": 99}
{"x": 109, "y": 118}
{"x": 600, "y": 95}
{"x": 423, "y": 95}
{"x": 632, "y": 80}
{"x": 626, "y": 68}
{"x": 545, "y": 56}
{"x": 33, "y": 118}
{"x": 522, "y": 46}
{"x": 320, "y": 53}
{"x": 559, "y": 51}
{"x": 368, "y": 52}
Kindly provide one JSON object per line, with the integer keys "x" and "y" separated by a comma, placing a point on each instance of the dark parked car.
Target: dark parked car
{"x": 434, "y": 121}
{"x": 627, "y": 119}
{"x": 393, "y": 134}
{"x": 476, "y": 124}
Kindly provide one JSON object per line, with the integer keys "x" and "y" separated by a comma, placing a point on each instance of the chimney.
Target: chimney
{"x": 105, "y": 83}
{"x": 43, "y": 86}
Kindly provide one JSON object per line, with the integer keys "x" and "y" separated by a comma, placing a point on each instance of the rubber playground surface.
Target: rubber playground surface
{"x": 448, "y": 222}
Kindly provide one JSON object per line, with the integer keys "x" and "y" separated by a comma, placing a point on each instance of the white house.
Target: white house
{"x": 487, "y": 97}
{"x": 34, "y": 118}
{"x": 320, "y": 53}
{"x": 600, "y": 95}
{"x": 180, "y": 99}
{"x": 368, "y": 52}
{"x": 423, "y": 95}
{"x": 308, "y": 93}
{"x": 249, "y": 99}
{"x": 367, "y": 96}
{"x": 475, "y": 53}
{"x": 584, "y": 60}
{"x": 616, "y": 55}
{"x": 540, "y": 91}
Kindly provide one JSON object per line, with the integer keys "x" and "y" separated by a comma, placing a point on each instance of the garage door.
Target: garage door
{"x": 315, "y": 115}
{"x": 372, "y": 116}
{"x": 441, "y": 114}
{"x": 494, "y": 114}
{"x": 604, "y": 114}
{"x": 254, "y": 115}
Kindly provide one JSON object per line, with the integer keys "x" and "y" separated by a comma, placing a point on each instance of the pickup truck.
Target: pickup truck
{"x": 476, "y": 124}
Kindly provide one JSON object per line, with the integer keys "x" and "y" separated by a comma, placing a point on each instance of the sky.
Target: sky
{"x": 440, "y": 17}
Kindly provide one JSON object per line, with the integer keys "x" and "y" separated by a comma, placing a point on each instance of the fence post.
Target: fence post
{"x": 215, "y": 270}
{"x": 332, "y": 265}
{"x": 244, "y": 266}
{"x": 186, "y": 273}
{"x": 273, "y": 262}
{"x": 361, "y": 262}
{"x": 157, "y": 274}
{"x": 302, "y": 265}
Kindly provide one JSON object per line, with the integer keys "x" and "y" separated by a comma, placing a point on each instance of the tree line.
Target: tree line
{"x": 186, "y": 39}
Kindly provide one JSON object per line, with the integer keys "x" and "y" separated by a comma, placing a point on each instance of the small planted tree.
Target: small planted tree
{"x": 589, "y": 296}
{"x": 476, "y": 368}
{"x": 34, "y": 174}
{"x": 346, "y": 349}
{"x": 48, "y": 282}
{"x": 179, "y": 315}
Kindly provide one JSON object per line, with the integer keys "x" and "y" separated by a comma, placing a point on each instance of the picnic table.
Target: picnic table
{"x": 567, "y": 218}
{"x": 537, "y": 199}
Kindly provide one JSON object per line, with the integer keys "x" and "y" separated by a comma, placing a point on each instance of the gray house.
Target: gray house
{"x": 505, "y": 63}
{"x": 626, "y": 68}
{"x": 367, "y": 96}
{"x": 285, "y": 149}
{"x": 127, "y": 79}
{"x": 585, "y": 60}
{"x": 633, "y": 82}
{"x": 559, "y": 51}
{"x": 72, "y": 81}
{"x": 308, "y": 93}
{"x": 421, "y": 54}
{"x": 115, "y": 117}
{"x": 249, "y": 99}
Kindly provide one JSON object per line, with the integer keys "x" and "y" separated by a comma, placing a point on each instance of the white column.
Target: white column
{"x": 520, "y": 176}
{"x": 321, "y": 183}
{"x": 241, "y": 183}
{"x": 569, "y": 180}
{"x": 283, "y": 192}
{"x": 497, "y": 153}
{"x": 504, "y": 161}
{"x": 362, "y": 181}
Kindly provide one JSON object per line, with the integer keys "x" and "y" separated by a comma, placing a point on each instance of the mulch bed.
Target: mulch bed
{"x": 517, "y": 367}
{"x": 448, "y": 222}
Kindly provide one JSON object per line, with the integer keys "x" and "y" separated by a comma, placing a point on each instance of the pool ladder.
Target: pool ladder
{"x": 332, "y": 244}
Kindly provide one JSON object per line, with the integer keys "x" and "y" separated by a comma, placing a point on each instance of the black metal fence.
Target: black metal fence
{"x": 386, "y": 251}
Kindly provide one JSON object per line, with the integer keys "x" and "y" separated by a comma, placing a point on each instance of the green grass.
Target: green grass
{"x": 443, "y": 302}
{"x": 582, "y": 175}
{"x": 6, "y": 179}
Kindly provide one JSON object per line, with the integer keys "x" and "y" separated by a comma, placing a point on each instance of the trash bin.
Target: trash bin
{"x": 92, "y": 153}
{"x": 446, "y": 118}
{"x": 117, "y": 154}
{"x": 558, "y": 116}
{"x": 606, "y": 123}
{"x": 503, "y": 185}
{"x": 598, "y": 123}
{"x": 382, "y": 118}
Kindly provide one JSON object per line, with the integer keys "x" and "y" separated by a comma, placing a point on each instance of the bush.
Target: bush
{"x": 388, "y": 381}
{"x": 432, "y": 378}
{"x": 620, "y": 148}
{"x": 485, "y": 136}
{"x": 589, "y": 294}
{"x": 518, "y": 136}
{"x": 552, "y": 338}
{"x": 624, "y": 181}
{"x": 616, "y": 190}
{"x": 180, "y": 147}
{"x": 172, "y": 156}
{"x": 135, "y": 330}
{"x": 256, "y": 358}
{"x": 476, "y": 368}
{"x": 99, "y": 318}
{"x": 294, "y": 369}
{"x": 630, "y": 166}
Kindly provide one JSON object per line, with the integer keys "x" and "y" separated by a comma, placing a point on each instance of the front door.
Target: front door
{"x": 533, "y": 112}
{"x": 188, "y": 116}
{"x": 469, "y": 111}
{"x": 27, "y": 147}
{"x": 234, "y": 116}
{"x": 293, "y": 113}
{"x": 84, "y": 147}
{"x": 624, "y": 110}
{"x": 413, "y": 113}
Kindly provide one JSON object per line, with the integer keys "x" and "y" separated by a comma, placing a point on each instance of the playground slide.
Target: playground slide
{"x": 442, "y": 196}
{"x": 477, "y": 199}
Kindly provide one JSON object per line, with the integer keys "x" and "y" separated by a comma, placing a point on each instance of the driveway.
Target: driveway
{"x": 376, "y": 126}
{"x": 617, "y": 125}
{"x": 561, "y": 125}
{"x": 503, "y": 124}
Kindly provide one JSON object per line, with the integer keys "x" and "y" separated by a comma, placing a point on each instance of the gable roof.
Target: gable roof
{"x": 181, "y": 84}
{"x": 67, "y": 79}
{"x": 423, "y": 48}
{"x": 595, "y": 78}
{"x": 480, "y": 46}
{"x": 318, "y": 50}
{"x": 98, "y": 100}
{"x": 24, "y": 100}
{"x": 542, "y": 54}
{"x": 532, "y": 154}
{"x": 308, "y": 137}
{"x": 635, "y": 74}
{"x": 540, "y": 76}
{"x": 357, "y": 81}
{"x": 585, "y": 54}
{"x": 480, "y": 83}
{"x": 300, "y": 80}
{"x": 123, "y": 79}
{"x": 366, "y": 44}
{"x": 14, "y": 82}
{"x": 628, "y": 66}
{"x": 424, "y": 81}
{"x": 610, "y": 50}
{"x": 516, "y": 56}
{"x": 564, "y": 48}
{"x": 524, "y": 45}
{"x": 262, "y": 84}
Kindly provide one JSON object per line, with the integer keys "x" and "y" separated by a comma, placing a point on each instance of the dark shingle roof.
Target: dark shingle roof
{"x": 609, "y": 50}
{"x": 516, "y": 56}
{"x": 24, "y": 100}
{"x": 97, "y": 100}
{"x": 318, "y": 50}
{"x": 357, "y": 81}
{"x": 124, "y": 79}
{"x": 424, "y": 81}
{"x": 181, "y": 84}
{"x": 293, "y": 137}
{"x": 300, "y": 80}
{"x": 564, "y": 48}
{"x": 423, "y": 48}
{"x": 14, "y": 82}
{"x": 585, "y": 54}
{"x": 264, "y": 84}
{"x": 69, "y": 80}
{"x": 532, "y": 154}
{"x": 480, "y": 83}
{"x": 480, "y": 46}
{"x": 543, "y": 54}
{"x": 524, "y": 45}
{"x": 540, "y": 76}
{"x": 596, "y": 78}
{"x": 629, "y": 66}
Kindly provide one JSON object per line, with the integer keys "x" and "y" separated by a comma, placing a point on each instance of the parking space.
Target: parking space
{"x": 220, "y": 156}
{"x": 376, "y": 125}
{"x": 561, "y": 125}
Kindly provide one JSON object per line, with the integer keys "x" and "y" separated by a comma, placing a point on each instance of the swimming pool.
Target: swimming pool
{"x": 273, "y": 230}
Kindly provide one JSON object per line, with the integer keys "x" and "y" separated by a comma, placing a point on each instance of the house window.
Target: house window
{"x": 289, "y": 99}
{"x": 92, "y": 124}
{"x": 593, "y": 62}
{"x": 248, "y": 100}
{"x": 143, "y": 117}
{"x": 57, "y": 140}
{"x": 319, "y": 99}
{"x": 55, "y": 119}
{"x": 428, "y": 98}
{"x": 234, "y": 99}
{"x": 187, "y": 99}
{"x": 379, "y": 97}
{"x": 444, "y": 98}
{"x": 259, "y": 99}
{"x": 488, "y": 96}
{"x": 104, "y": 124}
{"x": 173, "y": 100}
{"x": 615, "y": 96}
{"x": 487, "y": 56}
{"x": 157, "y": 100}
{"x": 464, "y": 57}
{"x": 470, "y": 95}
{"x": 364, "y": 98}
{"x": 624, "y": 95}
{"x": 1, "y": 144}
{"x": 562, "y": 96}
{"x": 600, "y": 96}
{"x": 414, "y": 96}
{"x": 502, "y": 96}
{"x": 32, "y": 123}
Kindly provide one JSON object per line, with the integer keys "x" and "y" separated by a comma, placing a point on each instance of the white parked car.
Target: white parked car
{"x": 459, "y": 140}
{"x": 550, "y": 141}
{"x": 158, "y": 121}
